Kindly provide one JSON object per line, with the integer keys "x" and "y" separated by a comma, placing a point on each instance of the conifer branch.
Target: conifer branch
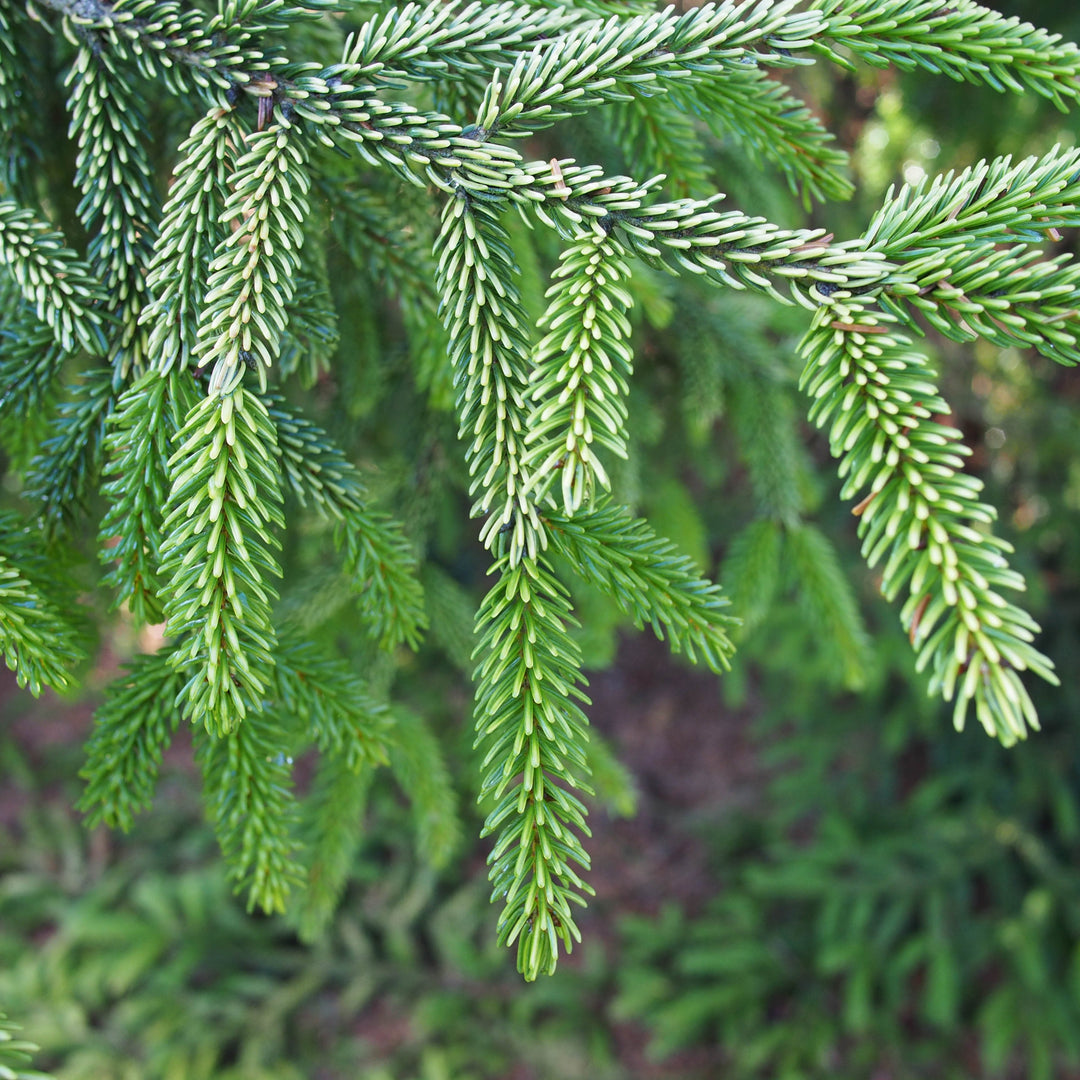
{"x": 416, "y": 760}
{"x": 334, "y": 706}
{"x": 132, "y": 729}
{"x": 234, "y": 281}
{"x": 828, "y": 603}
{"x": 437, "y": 40}
{"x": 658, "y": 136}
{"x": 961, "y": 39}
{"x": 60, "y": 476}
{"x": 312, "y": 336}
{"x": 246, "y": 778}
{"x": 581, "y": 373}
{"x": 146, "y": 419}
{"x": 763, "y": 417}
{"x": 996, "y": 202}
{"x": 921, "y": 514}
{"x": 252, "y": 275}
{"x": 752, "y": 566}
{"x": 730, "y": 249}
{"x": 530, "y": 722}
{"x": 651, "y": 581}
{"x": 765, "y": 118}
{"x": 217, "y": 558}
{"x": 117, "y": 208}
{"x": 38, "y": 644}
{"x": 1010, "y": 296}
{"x": 191, "y": 231}
{"x": 16, "y": 1052}
{"x": 332, "y": 827}
{"x": 30, "y": 359}
{"x": 15, "y": 151}
{"x": 490, "y": 353}
{"x": 378, "y": 557}
{"x": 52, "y": 279}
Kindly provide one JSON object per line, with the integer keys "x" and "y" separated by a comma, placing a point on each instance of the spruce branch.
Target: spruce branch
{"x": 921, "y": 514}
{"x": 617, "y": 59}
{"x": 651, "y": 581}
{"x": 16, "y": 149}
{"x": 312, "y": 336}
{"x": 332, "y": 828}
{"x": 1010, "y": 296}
{"x": 763, "y": 417}
{"x": 378, "y": 557}
{"x": 416, "y": 760}
{"x": 438, "y": 40}
{"x": 16, "y": 1052}
{"x": 657, "y": 136}
{"x": 146, "y": 419}
{"x": 752, "y": 566}
{"x": 334, "y": 706}
{"x": 52, "y": 279}
{"x": 489, "y": 350}
{"x": 217, "y": 558}
{"x": 995, "y": 202}
{"x": 117, "y": 208}
{"x": 246, "y": 780}
{"x": 61, "y": 475}
{"x": 30, "y": 360}
{"x": 190, "y": 233}
{"x": 530, "y": 722}
{"x": 961, "y": 39}
{"x": 39, "y": 645}
{"x": 765, "y": 118}
{"x": 581, "y": 373}
{"x": 828, "y": 602}
{"x": 252, "y": 276}
{"x": 132, "y": 729}
{"x": 688, "y": 235}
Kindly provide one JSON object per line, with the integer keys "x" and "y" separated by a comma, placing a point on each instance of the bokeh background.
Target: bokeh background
{"x": 801, "y": 871}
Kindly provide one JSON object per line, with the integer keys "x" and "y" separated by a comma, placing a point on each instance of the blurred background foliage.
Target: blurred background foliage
{"x": 800, "y": 873}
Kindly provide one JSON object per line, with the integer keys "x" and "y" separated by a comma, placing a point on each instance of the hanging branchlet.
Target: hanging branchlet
{"x": 191, "y": 231}
{"x": 378, "y": 558}
{"x": 38, "y": 643}
{"x": 61, "y": 476}
{"x": 252, "y": 275}
{"x": 132, "y": 729}
{"x": 921, "y": 515}
{"x": 965, "y": 256}
{"x": 117, "y": 207}
{"x": 775, "y": 126}
{"x": 581, "y": 375}
{"x": 650, "y": 579}
{"x": 17, "y": 152}
{"x": 1011, "y": 296}
{"x": 138, "y": 447}
{"x": 31, "y": 360}
{"x": 530, "y": 723}
{"x": 688, "y": 235}
{"x": 247, "y": 779}
{"x": 334, "y": 707}
{"x": 53, "y": 279}
{"x": 489, "y": 349}
{"x": 217, "y": 558}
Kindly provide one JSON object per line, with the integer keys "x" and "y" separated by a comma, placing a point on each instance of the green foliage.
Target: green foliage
{"x": 16, "y": 1052}
{"x": 924, "y": 922}
{"x": 250, "y": 254}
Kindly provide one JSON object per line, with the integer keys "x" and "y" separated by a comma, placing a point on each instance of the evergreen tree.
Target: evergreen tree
{"x": 251, "y": 179}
